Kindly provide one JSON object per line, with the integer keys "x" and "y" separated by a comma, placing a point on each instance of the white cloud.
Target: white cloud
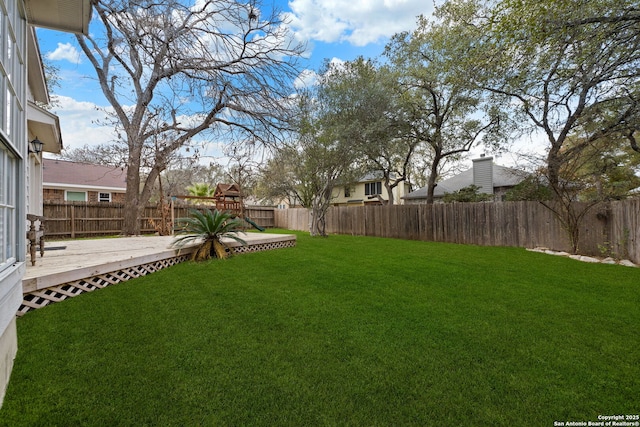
{"x": 79, "y": 122}
{"x": 65, "y": 51}
{"x": 358, "y": 22}
{"x": 306, "y": 79}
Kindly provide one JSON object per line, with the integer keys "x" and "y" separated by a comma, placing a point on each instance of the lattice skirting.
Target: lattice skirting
{"x": 44, "y": 297}
{"x": 264, "y": 246}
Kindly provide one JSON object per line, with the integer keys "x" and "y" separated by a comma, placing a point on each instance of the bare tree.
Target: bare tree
{"x": 102, "y": 154}
{"x": 175, "y": 70}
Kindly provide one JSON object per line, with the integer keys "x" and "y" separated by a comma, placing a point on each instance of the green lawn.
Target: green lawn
{"x": 339, "y": 331}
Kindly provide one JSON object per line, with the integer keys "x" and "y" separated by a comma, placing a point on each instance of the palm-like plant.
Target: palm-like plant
{"x": 208, "y": 228}
{"x": 201, "y": 189}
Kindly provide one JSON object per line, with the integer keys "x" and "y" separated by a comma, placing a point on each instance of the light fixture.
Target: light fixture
{"x": 35, "y": 146}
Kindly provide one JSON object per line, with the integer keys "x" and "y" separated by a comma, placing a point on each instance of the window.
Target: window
{"x": 347, "y": 192}
{"x": 13, "y": 138}
{"x": 372, "y": 188}
{"x": 104, "y": 197}
{"x": 76, "y": 196}
{"x": 8, "y": 213}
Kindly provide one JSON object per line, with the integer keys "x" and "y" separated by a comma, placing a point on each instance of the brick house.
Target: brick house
{"x": 83, "y": 182}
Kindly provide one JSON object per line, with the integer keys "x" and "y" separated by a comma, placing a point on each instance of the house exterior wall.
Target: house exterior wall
{"x": 58, "y": 195}
{"x": 13, "y": 170}
{"x": 21, "y": 81}
{"x": 51, "y": 194}
{"x": 34, "y": 185}
{"x": 357, "y": 194}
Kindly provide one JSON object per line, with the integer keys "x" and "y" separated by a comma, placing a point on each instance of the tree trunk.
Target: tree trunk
{"x": 132, "y": 211}
{"x": 131, "y": 225}
{"x": 317, "y": 222}
{"x": 433, "y": 175}
{"x": 319, "y": 207}
{"x": 553, "y": 168}
{"x": 389, "y": 188}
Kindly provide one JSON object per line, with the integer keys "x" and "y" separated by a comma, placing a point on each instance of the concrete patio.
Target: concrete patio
{"x": 69, "y": 268}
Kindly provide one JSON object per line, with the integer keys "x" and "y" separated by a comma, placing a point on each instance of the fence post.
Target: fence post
{"x": 73, "y": 221}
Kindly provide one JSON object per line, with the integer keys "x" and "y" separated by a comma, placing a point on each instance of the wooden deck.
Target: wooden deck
{"x": 70, "y": 268}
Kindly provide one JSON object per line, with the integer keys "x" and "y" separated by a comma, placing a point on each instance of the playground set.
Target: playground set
{"x": 227, "y": 198}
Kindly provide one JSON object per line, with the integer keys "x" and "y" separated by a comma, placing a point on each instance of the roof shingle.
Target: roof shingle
{"x": 61, "y": 172}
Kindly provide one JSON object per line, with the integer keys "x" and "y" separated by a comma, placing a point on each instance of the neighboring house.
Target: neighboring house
{"x": 369, "y": 190}
{"x": 83, "y": 182}
{"x": 287, "y": 203}
{"x": 489, "y": 177}
{"x": 22, "y": 89}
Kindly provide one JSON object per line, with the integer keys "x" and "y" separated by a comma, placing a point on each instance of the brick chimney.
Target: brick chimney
{"x": 483, "y": 174}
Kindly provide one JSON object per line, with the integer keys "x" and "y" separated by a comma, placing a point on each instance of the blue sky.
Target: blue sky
{"x": 331, "y": 29}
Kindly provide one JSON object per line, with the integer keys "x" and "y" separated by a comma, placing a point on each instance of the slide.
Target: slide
{"x": 256, "y": 226}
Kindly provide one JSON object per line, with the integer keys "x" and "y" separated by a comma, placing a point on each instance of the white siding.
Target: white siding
{"x": 13, "y": 151}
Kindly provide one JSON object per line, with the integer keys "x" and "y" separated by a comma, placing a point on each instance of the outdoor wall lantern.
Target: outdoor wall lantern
{"x": 35, "y": 146}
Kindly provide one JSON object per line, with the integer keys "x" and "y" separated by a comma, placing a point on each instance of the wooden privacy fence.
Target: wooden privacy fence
{"x": 83, "y": 219}
{"x": 612, "y": 228}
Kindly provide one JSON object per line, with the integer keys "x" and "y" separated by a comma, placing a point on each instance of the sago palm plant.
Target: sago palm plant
{"x": 207, "y": 229}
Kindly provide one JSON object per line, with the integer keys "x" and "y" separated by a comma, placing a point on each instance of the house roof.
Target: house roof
{"x": 64, "y": 15}
{"x": 45, "y": 126}
{"x": 83, "y": 175}
{"x": 41, "y": 124}
{"x": 376, "y": 176}
{"x": 502, "y": 177}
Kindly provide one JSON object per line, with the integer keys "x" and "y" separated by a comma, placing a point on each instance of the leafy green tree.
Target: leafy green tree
{"x": 469, "y": 194}
{"x": 325, "y": 157}
{"x": 602, "y": 170}
{"x": 207, "y": 229}
{"x": 282, "y": 177}
{"x": 572, "y": 72}
{"x": 533, "y": 187}
{"x": 440, "y": 102}
{"x": 567, "y": 71}
{"x": 316, "y": 161}
{"x": 362, "y": 99}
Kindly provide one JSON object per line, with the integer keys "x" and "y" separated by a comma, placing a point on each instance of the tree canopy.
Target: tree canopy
{"x": 442, "y": 106}
{"x": 572, "y": 71}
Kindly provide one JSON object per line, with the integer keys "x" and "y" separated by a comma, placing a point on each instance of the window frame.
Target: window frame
{"x": 13, "y": 134}
{"x": 66, "y": 195}
{"x": 373, "y": 188}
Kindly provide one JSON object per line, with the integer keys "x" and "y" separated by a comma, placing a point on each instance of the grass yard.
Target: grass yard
{"x": 339, "y": 331}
